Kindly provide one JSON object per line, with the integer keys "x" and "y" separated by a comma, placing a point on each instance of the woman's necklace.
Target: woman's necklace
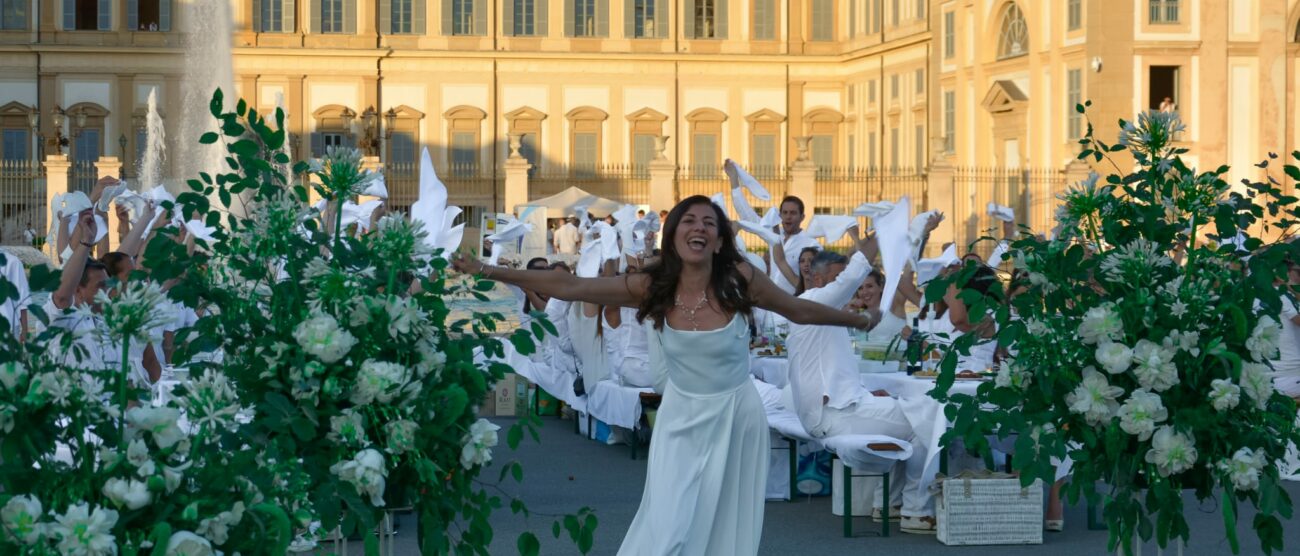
{"x": 689, "y": 312}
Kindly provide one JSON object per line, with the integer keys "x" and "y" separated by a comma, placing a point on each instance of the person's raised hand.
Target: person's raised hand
{"x": 1008, "y": 229}
{"x": 932, "y": 223}
{"x": 103, "y": 183}
{"x": 85, "y": 232}
{"x": 869, "y": 246}
{"x": 466, "y": 264}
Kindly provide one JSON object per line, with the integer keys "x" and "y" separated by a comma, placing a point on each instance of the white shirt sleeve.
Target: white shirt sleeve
{"x": 838, "y": 293}
{"x": 995, "y": 258}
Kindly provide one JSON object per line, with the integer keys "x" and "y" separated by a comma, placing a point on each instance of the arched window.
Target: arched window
{"x": 1013, "y": 36}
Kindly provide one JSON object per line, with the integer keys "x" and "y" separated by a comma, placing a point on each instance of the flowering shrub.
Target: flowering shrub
{"x": 1139, "y": 348}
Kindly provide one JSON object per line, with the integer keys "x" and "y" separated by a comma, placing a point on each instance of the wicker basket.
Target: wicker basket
{"x": 989, "y": 508}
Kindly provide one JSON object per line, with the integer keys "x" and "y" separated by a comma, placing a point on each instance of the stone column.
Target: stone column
{"x": 803, "y": 179}
{"x": 57, "y": 167}
{"x": 940, "y": 193}
{"x": 516, "y": 175}
{"x": 663, "y": 174}
{"x": 373, "y": 164}
{"x": 110, "y": 166}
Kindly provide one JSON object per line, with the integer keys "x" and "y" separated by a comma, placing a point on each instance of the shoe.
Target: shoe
{"x": 1054, "y": 525}
{"x": 895, "y": 514}
{"x": 924, "y": 525}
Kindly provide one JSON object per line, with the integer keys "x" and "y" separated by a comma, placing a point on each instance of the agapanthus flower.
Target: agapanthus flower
{"x": 1172, "y": 452}
{"x": 211, "y": 401}
{"x": 399, "y": 241}
{"x": 161, "y": 422}
{"x": 21, "y": 518}
{"x": 274, "y": 222}
{"x": 366, "y": 472}
{"x": 82, "y": 532}
{"x": 477, "y": 444}
{"x": 380, "y": 381}
{"x": 13, "y": 375}
{"x": 1101, "y": 323}
{"x": 1134, "y": 260}
{"x": 138, "y": 310}
{"x": 321, "y": 336}
{"x": 1153, "y": 366}
{"x": 1265, "y": 339}
{"x": 341, "y": 174}
{"x": 1244, "y": 468}
{"x": 332, "y": 285}
{"x": 1114, "y": 357}
{"x": 1224, "y": 395}
{"x": 1257, "y": 382}
{"x": 1152, "y": 133}
{"x": 1140, "y": 414}
{"x": 1188, "y": 342}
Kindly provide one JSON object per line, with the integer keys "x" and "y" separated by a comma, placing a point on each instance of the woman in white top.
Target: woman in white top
{"x": 627, "y": 343}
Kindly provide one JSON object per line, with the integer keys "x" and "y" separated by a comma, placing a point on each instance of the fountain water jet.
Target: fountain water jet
{"x": 208, "y": 66}
{"x": 151, "y": 166}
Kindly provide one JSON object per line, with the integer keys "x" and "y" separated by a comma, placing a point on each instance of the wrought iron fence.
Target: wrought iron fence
{"x": 467, "y": 186}
{"x": 1030, "y": 192}
{"x": 624, "y": 183}
{"x": 22, "y": 201}
{"x": 82, "y": 176}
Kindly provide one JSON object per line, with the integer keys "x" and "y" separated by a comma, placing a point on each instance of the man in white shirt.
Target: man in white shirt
{"x": 1286, "y": 369}
{"x": 567, "y": 238}
{"x": 15, "y": 310}
{"x": 828, "y": 394}
{"x": 793, "y": 240}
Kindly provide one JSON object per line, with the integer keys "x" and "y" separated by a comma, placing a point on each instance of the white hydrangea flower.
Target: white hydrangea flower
{"x": 217, "y": 528}
{"x": 1188, "y": 342}
{"x": 1265, "y": 339}
{"x": 1140, "y": 414}
{"x": 379, "y": 381}
{"x": 185, "y": 543}
{"x": 1257, "y": 382}
{"x": 1244, "y": 468}
{"x": 1101, "y": 323}
{"x": 1114, "y": 357}
{"x": 85, "y": 533}
{"x": 478, "y": 443}
{"x": 1094, "y": 398}
{"x": 1013, "y": 375}
{"x": 1171, "y": 452}
{"x": 1154, "y": 366}
{"x": 133, "y": 494}
{"x": 211, "y": 402}
{"x": 21, "y": 518}
{"x": 1224, "y": 395}
{"x": 161, "y": 422}
{"x": 137, "y": 453}
{"x": 404, "y": 316}
{"x": 321, "y": 336}
{"x": 348, "y": 428}
{"x": 366, "y": 472}
{"x": 401, "y": 436}
{"x": 12, "y": 375}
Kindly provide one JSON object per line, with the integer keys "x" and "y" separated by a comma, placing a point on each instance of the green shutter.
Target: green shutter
{"x": 315, "y": 16}
{"x": 350, "y": 17}
{"x": 418, "y": 21}
{"x": 720, "y": 19}
{"x": 602, "y": 18}
{"x": 257, "y": 14}
{"x": 105, "y": 20}
{"x": 386, "y": 17}
{"x": 508, "y": 18}
{"x": 629, "y": 18}
{"x": 661, "y": 19}
{"x": 132, "y": 15}
{"x": 688, "y": 21}
{"x": 69, "y": 15}
{"x": 480, "y": 18}
{"x": 541, "y": 18}
{"x": 446, "y": 17}
{"x": 288, "y": 15}
{"x": 570, "y": 23}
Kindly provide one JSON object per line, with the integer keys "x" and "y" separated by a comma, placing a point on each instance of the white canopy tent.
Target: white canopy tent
{"x": 564, "y": 203}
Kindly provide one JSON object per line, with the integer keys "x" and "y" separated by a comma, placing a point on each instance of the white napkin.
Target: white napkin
{"x": 625, "y": 215}
{"x": 720, "y": 200}
{"x": 874, "y": 210}
{"x": 360, "y": 214}
{"x": 75, "y": 202}
{"x": 432, "y": 210}
{"x": 106, "y": 197}
{"x": 763, "y": 232}
{"x": 928, "y": 269}
{"x": 377, "y": 188}
{"x": 893, "y": 237}
{"x": 831, "y": 227}
{"x": 511, "y": 232}
{"x": 741, "y": 178}
{"x": 199, "y": 230}
{"x": 771, "y": 218}
{"x": 744, "y": 211}
{"x": 916, "y": 230}
{"x": 1005, "y": 214}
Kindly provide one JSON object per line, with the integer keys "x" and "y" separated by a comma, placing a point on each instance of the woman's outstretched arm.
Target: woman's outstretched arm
{"x": 778, "y": 259}
{"x": 624, "y": 291}
{"x": 800, "y": 311}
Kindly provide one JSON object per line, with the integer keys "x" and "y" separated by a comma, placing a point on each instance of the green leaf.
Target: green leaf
{"x": 217, "y": 104}
{"x": 517, "y": 471}
{"x": 514, "y": 436}
{"x": 162, "y": 533}
{"x": 1230, "y": 521}
{"x": 555, "y": 529}
{"x": 528, "y": 544}
{"x": 232, "y": 128}
{"x": 241, "y": 107}
{"x": 245, "y": 147}
{"x": 208, "y": 138}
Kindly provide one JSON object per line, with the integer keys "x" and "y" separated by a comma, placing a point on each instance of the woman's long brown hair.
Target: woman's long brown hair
{"x": 729, "y": 285}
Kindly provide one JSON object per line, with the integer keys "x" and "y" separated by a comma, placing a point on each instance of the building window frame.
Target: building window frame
{"x": 825, "y": 123}
{"x": 1164, "y": 12}
{"x": 464, "y": 121}
{"x": 527, "y": 123}
{"x": 586, "y": 121}
{"x": 949, "y": 35}
{"x": 765, "y": 124}
{"x": 1073, "y": 15}
{"x": 1013, "y": 33}
{"x": 706, "y": 123}
{"x": 644, "y": 123}
{"x": 949, "y": 121}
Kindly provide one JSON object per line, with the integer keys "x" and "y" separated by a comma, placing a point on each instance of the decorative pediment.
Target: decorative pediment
{"x": 91, "y": 109}
{"x": 15, "y": 108}
{"x": 405, "y": 112}
{"x": 765, "y": 115}
{"x": 1004, "y": 96}
{"x": 647, "y": 115}
{"x": 525, "y": 113}
{"x": 826, "y": 115}
{"x": 464, "y": 112}
{"x": 331, "y": 111}
{"x": 587, "y": 113}
{"x": 706, "y": 115}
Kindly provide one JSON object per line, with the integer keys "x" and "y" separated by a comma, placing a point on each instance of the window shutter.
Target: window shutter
{"x": 315, "y": 16}
{"x": 570, "y": 23}
{"x": 480, "y": 17}
{"x": 541, "y": 18}
{"x": 661, "y": 19}
{"x": 386, "y": 17}
{"x": 132, "y": 15}
{"x": 317, "y": 145}
{"x": 507, "y": 17}
{"x": 417, "y": 17}
{"x": 257, "y": 15}
{"x": 629, "y": 19}
{"x": 602, "y": 18}
{"x": 289, "y": 15}
{"x": 446, "y": 17}
{"x": 721, "y": 20}
{"x": 350, "y": 17}
{"x": 853, "y": 18}
{"x": 69, "y": 15}
{"x": 105, "y": 22}
{"x": 688, "y": 21}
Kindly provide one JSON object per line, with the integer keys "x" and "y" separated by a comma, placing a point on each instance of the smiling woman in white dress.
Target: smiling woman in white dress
{"x": 705, "y": 481}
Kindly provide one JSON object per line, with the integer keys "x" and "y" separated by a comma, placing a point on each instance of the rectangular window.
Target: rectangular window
{"x": 764, "y": 20}
{"x": 1073, "y": 15}
{"x": 464, "y": 153}
{"x": 462, "y": 17}
{"x": 920, "y": 148}
{"x": 13, "y": 14}
{"x": 823, "y": 20}
{"x": 871, "y": 150}
{"x": 643, "y": 19}
{"x": 704, "y": 155}
{"x": 1163, "y": 11}
{"x": 853, "y": 18}
{"x": 525, "y": 18}
{"x": 530, "y": 149}
{"x": 331, "y": 16}
{"x": 920, "y": 81}
{"x": 949, "y": 120}
{"x": 402, "y": 16}
{"x": 1163, "y": 88}
{"x": 141, "y": 145}
{"x": 893, "y": 87}
{"x": 871, "y": 92}
{"x": 147, "y": 15}
{"x": 1073, "y": 98}
{"x": 87, "y": 15}
{"x": 584, "y": 18}
{"x": 893, "y": 148}
{"x": 949, "y": 35}
{"x": 586, "y": 151}
{"x": 762, "y": 161}
{"x": 401, "y": 148}
{"x": 823, "y": 154}
{"x": 643, "y": 151}
{"x": 272, "y": 17}
{"x": 706, "y": 19}
{"x": 86, "y": 146}
{"x": 14, "y": 144}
